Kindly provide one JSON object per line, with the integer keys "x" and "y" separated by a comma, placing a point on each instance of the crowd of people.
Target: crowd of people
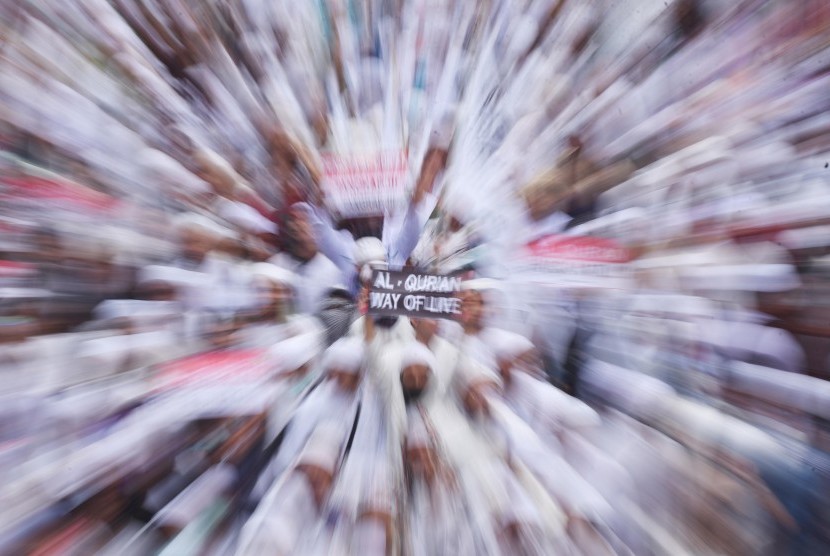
{"x": 637, "y": 213}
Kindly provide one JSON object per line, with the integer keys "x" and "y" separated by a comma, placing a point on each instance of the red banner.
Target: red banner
{"x": 216, "y": 367}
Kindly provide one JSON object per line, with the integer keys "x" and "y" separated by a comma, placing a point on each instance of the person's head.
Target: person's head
{"x": 318, "y": 460}
{"x": 234, "y": 247}
{"x": 297, "y": 354}
{"x": 369, "y": 253}
{"x": 47, "y": 244}
{"x": 474, "y": 385}
{"x": 425, "y": 329}
{"x": 419, "y": 454}
{"x": 472, "y": 309}
{"x": 343, "y": 361}
{"x": 274, "y": 286}
{"x": 221, "y": 332}
{"x": 417, "y": 366}
{"x": 195, "y": 240}
{"x": 372, "y": 532}
{"x": 475, "y": 396}
{"x": 157, "y": 290}
{"x": 299, "y": 235}
{"x": 513, "y": 352}
{"x": 159, "y": 283}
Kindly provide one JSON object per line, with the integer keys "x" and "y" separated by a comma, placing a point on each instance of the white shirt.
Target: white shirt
{"x": 316, "y": 277}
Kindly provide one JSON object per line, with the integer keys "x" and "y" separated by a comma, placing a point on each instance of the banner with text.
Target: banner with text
{"x": 215, "y": 368}
{"x": 364, "y": 185}
{"x": 575, "y": 261}
{"x": 416, "y": 294}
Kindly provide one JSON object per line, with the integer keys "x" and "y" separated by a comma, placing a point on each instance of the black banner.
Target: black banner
{"x": 413, "y": 293}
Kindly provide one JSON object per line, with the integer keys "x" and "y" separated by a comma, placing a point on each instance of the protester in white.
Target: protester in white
{"x": 316, "y": 274}
{"x": 336, "y": 398}
{"x": 446, "y": 356}
{"x": 275, "y": 319}
{"x": 541, "y": 405}
{"x": 472, "y": 333}
{"x": 433, "y": 499}
{"x": 295, "y": 505}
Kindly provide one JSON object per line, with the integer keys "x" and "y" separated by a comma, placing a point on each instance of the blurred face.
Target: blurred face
{"x": 158, "y": 291}
{"x": 48, "y": 246}
{"x": 232, "y": 247}
{"x": 472, "y": 308}
{"x": 195, "y": 244}
{"x": 425, "y": 329}
{"x": 345, "y": 380}
{"x": 421, "y": 460}
{"x": 319, "y": 480}
{"x": 475, "y": 398}
{"x": 221, "y": 335}
{"x": 275, "y": 297}
{"x": 414, "y": 379}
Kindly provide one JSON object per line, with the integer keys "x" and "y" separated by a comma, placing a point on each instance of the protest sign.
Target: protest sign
{"x": 413, "y": 293}
{"x": 575, "y": 261}
{"x": 364, "y": 185}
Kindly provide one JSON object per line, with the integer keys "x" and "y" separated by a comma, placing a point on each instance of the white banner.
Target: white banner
{"x": 365, "y": 185}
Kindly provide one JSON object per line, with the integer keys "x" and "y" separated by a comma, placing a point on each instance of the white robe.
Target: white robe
{"x": 326, "y": 402}
{"x": 546, "y": 408}
{"x": 280, "y": 523}
{"x": 314, "y": 279}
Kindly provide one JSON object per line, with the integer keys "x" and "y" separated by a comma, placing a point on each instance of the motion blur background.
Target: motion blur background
{"x": 645, "y": 183}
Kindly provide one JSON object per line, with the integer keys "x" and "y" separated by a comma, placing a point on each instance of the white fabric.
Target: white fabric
{"x": 198, "y": 496}
{"x": 314, "y": 279}
{"x": 368, "y": 250}
{"x": 344, "y": 355}
{"x": 273, "y": 273}
{"x": 416, "y": 353}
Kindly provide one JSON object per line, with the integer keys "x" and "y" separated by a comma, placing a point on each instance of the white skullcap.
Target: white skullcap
{"x": 212, "y": 159}
{"x": 509, "y": 345}
{"x": 369, "y": 250}
{"x": 247, "y": 217}
{"x": 161, "y": 166}
{"x": 193, "y": 221}
{"x": 345, "y": 355}
{"x": 461, "y": 206}
{"x": 274, "y": 274}
{"x": 24, "y": 293}
{"x": 479, "y": 285}
{"x": 417, "y": 353}
{"x": 135, "y": 309}
{"x": 169, "y": 274}
{"x": 197, "y": 222}
{"x": 323, "y": 447}
{"x": 295, "y": 352}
